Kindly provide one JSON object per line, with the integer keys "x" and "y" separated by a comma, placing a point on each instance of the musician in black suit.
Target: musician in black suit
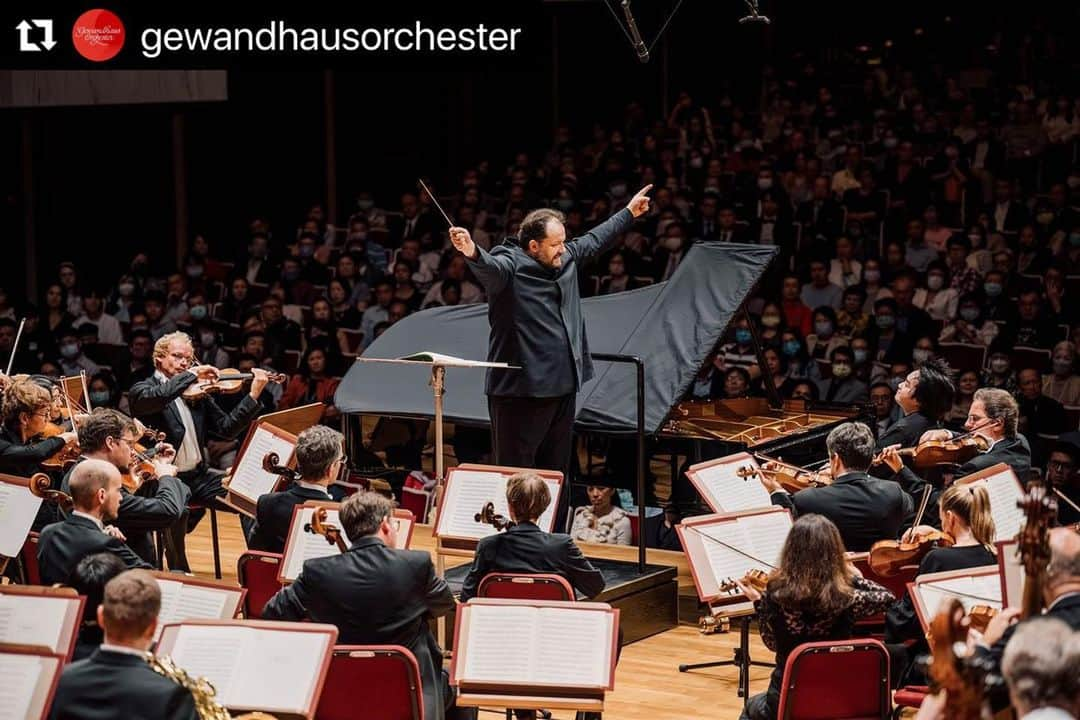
{"x": 89, "y": 579}
{"x": 95, "y": 490}
{"x": 376, "y": 595}
{"x": 117, "y": 682}
{"x": 156, "y": 505}
{"x": 525, "y": 548}
{"x": 158, "y": 401}
{"x": 1060, "y": 596}
{"x": 534, "y": 307}
{"x": 864, "y": 508}
{"x": 924, "y": 397}
{"x": 319, "y": 458}
{"x": 993, "y": 415}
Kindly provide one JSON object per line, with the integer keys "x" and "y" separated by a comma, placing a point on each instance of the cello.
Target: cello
{"x": 319, "y": 526}
{"x": 488, "y": 516}
{"x": 964, "y": 678}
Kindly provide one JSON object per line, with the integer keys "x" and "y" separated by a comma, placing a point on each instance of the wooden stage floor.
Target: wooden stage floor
{"x": 648, "y": 684}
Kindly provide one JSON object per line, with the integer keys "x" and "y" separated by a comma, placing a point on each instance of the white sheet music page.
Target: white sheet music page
{"x": 1004, "y": 496}
{"x": 279, "y": 671}
{"x": 18, "y": 508}
{"x": 469, "y": 491}
{"x": 249, "y": 479}
{"x": 181, "y": 601}
{"x": 212, "y": 652}
{"x": 489, "y": 657}
{"x": 574, "y": 647}
{"x": 33, "y": 620}
{"x": 724, "y": 562}
{"x": 768, "y": 532}
{"x": 308, "y": 545}
{"x": 970, "y": 591}
{"x": 21, "y": 677}
{"x": 727, "y": 492}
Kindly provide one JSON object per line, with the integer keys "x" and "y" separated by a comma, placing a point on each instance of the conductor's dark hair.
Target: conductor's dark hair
{"x": 534, "y": 226}
{"x": 935, "y": 390}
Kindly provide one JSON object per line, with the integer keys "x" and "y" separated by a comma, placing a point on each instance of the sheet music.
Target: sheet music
{"x": 1004, "y": 496}
{"x": 1013, "y": 584}
{"x": 574, "y": 647}
{"x": 22, "y": 676}
{"x": 33, "y": 620}
{"x": 427, "y": 356}
{"x": 402, "y": 529}
{"x": 724, "y": 562}
{"x": 969, "y": 590}
{"x": 253, "y": 667}
{"x": 308, "y": 546}
{"x": 490, "y": 658}
{"x": 18, "y": 508}
{"x": 470, "y": 491}
{"x": 727, "y": 492}
{"x": 181, "y": 601}
{"x": 768, "y": 532}
{"x": 249, "y": 479}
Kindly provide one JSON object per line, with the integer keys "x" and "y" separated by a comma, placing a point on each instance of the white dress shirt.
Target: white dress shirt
{"x": 91, "y": 518}
{"x": 189, "y": 454}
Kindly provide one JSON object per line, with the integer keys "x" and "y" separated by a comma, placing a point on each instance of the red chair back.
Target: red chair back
{"x": 258, "y": 572}
{"x": 381, "y": 682}
{"x": 525, "y": 586}
{"x": 29, "y": 559}
{"x": 897, "y": 585}
{"x": 810, "y": 690}
{"x": 416, "y": 501}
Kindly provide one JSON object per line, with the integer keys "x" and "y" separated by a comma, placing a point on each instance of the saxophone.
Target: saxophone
{"x": 205, "y": 705}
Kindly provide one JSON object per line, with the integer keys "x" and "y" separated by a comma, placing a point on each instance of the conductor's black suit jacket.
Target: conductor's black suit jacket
{"x": 864, "y": 509}
{"x": 535, "y": 314}
{"x": 152, "y": 402}
{"x": 525, "y": 548}
{"x": 117, "y": 686}
{"x": 375, "y": 595}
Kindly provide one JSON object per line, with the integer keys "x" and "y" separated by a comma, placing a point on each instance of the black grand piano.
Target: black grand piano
{"x": 670, "y": 328}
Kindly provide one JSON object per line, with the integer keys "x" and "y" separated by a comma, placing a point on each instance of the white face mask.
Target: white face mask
{"x": 935, "y": 282}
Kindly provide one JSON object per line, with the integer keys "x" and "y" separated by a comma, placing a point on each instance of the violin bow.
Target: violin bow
{"x": 85, "y": 390}
{"x": 922, "y": 506}
{"x": 74, "y": 425}
{"x": 15, "y": 347}
{"x": 733, "y": 548}
{"x": 1065, "y": 497}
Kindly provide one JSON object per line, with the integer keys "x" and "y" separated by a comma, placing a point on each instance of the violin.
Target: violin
{"x": 229, "y": 380}
{"x": 791, "y": 477}
{"x": 319, "y": 526}
{"x": 979, "y": 616}
{"x": 965, "y": 679}
{"x": 64, "y": 458}
{"x": 953, "y": 451}
{"x": 41, "y": 485}
{"x": 888, "y": 557}
{"x": 488, "y": 516}
{"x": 756, "y": 579}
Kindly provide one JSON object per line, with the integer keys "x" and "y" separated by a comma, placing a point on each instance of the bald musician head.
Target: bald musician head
{"x": 128, "y": 612}
{"x": 95, "y": 489}
{"x": 527, "y": 497}
{"x": 1063, "y": 572}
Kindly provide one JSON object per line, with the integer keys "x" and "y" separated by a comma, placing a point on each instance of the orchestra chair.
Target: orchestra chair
{"x": 387, "y": 677}
{"x": 257, "y": 571}
{"x": 909, "y": 696}
{"x": 28, "y": 559}
{"x": 896, "y": 584}
{"x": 1030, "y": 357}
{"x": 810, "y": 691}
{"x": 417, "y": 501}
{"x": 526, "y": 586}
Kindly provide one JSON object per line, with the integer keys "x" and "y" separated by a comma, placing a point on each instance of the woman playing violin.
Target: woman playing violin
{"x": 964, "y": 512}
{"x": 26, "y": 410}
{"x": 815, "y": 594}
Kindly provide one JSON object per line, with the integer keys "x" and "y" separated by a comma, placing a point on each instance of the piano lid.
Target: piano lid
{"x": 672, "y": 326}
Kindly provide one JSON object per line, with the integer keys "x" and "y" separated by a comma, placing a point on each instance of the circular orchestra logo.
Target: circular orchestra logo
{"x": 98, "y": 35}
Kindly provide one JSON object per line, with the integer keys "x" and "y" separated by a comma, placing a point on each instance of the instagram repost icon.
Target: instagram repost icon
{"x": 98, "y": 35}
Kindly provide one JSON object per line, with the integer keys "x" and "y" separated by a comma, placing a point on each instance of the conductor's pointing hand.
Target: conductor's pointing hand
{"x": 639, "y": 204}
{"x": 461, "y": 239}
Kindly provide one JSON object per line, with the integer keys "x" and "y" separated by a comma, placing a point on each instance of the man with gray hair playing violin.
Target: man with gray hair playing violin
{"x": 164, "y": 401}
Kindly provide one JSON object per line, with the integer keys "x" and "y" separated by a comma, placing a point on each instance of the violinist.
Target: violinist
{"x": 865, "y": 508}
{"x": 1060, "y": 595}
{"x": 964, "y": 513}
{"x": 993, "y": 415}
{"x": 26, "y": 410}
{"x": 158, "y": 402}
{"x": 154, "y": 506}
{"x": 923, "y": 397}
{"x": 525, "y": 548}
{"x": 815, "y": 594}
{"x": 319, "y": 459}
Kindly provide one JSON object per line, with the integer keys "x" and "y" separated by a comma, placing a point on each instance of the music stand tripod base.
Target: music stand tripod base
{"x": 741, "y": 660}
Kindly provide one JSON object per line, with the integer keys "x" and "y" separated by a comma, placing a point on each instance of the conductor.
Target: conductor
{"x": 534, "y": 308}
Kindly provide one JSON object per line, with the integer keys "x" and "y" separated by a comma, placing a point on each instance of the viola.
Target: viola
{"x": 229, "y": 380}
{"x": 41, "y": 485}
{"x": 887, "y": 557}
{"x": 488, "y": 516}
{"x": 319, "y": 526}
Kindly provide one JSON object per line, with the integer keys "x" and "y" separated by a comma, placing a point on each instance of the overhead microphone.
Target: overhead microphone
{"x": 754, "y": 16}
{"x": 635, "y": 36}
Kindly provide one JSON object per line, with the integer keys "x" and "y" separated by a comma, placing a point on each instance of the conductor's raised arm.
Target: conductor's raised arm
{"x": 601, "y": 236}
{"x": 492, "y": 272}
